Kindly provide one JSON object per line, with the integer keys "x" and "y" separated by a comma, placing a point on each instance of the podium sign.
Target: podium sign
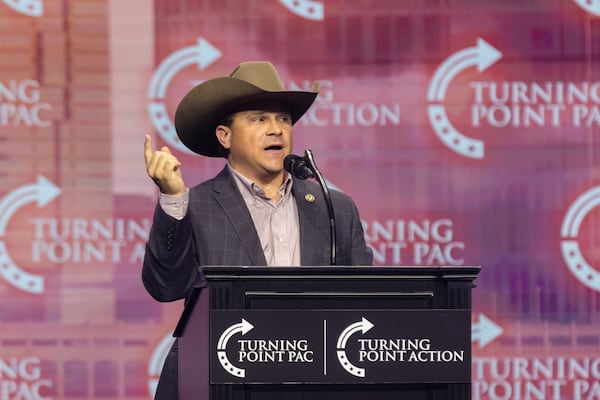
{"x": 327, "y": 333}
{"x": 340, "y": 346}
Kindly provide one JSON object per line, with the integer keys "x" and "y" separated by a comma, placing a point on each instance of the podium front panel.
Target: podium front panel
{"x": 318, "y": 288}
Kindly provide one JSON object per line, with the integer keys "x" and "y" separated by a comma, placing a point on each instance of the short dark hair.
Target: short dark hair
{"x": 227, "y": 120}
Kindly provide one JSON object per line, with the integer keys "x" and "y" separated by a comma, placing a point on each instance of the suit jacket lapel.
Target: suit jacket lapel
{"x": 314, "y": 225}
{"x": 233, "y": 205}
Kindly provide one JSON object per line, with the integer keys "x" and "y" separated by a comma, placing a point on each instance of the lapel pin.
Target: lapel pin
{"x": 309, "y": 197}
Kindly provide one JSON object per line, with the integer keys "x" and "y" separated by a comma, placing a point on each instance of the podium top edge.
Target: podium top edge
{"x": 337, "y": 270}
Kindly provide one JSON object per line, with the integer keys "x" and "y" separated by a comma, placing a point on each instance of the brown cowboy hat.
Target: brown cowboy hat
{"x": 251, "y": 83}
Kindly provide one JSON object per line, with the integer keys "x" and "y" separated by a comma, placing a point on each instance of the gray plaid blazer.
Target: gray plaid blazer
{"x": 218, "y": 230}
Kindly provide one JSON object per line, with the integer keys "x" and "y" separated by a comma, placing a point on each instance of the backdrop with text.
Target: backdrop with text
{"x": 467, "y": 132}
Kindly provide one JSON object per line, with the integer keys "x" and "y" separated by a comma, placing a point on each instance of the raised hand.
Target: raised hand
{"x": 163, "y": 168}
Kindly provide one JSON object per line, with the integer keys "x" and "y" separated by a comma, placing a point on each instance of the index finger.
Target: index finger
{"x": 147, "y": 148}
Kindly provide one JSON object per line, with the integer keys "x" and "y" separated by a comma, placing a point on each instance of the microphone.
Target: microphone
{"x": 305, "y": 167}
{"x": 298, "y": 166}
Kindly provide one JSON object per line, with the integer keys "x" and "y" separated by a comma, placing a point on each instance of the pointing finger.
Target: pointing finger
{"x": 147, "y": 149}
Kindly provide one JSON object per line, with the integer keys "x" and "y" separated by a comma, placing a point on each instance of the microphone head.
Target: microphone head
{"x": 297, "y": 166}
{"x": 288, "y": 162}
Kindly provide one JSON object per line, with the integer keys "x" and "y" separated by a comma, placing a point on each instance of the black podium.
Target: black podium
{"x": 289, "y": 333}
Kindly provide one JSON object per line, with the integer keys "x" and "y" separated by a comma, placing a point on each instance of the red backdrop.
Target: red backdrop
{"x": 467, "y": 132}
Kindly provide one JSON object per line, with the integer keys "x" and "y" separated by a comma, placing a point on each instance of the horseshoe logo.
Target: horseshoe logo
{"x": 41, "y": 192}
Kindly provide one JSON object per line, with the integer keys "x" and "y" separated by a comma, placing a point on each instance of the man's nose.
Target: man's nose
{"x": 275, "y": 127}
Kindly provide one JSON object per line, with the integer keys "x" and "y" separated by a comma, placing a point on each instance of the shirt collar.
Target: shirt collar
{"x": 254, "y": 189}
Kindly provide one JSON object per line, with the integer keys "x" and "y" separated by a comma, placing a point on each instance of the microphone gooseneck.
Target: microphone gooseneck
{"x": 303, "y": 168}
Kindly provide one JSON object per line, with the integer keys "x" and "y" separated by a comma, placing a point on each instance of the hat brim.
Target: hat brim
{"x": 203, "y": 108}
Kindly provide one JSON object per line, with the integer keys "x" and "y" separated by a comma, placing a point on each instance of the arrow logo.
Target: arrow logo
{"x": 483, "y": 55}
{"x": 484, "y": 331}
{"x": 571, "y": 252}
{"x": 202, "y": 55}
{"x": 309, "y": 9}
{"x": 42, "y": 192}
{"x": 362, "y": 326}
{"x": 241, "y": 327}
{"x": 591, "y": 6}
{"x": 32, "y": 8}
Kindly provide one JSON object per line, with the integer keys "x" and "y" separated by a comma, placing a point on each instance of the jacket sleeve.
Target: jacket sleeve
{"x": 169, "y": 270}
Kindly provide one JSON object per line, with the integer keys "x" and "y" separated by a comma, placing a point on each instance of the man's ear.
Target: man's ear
{"x": 224, "y": 136}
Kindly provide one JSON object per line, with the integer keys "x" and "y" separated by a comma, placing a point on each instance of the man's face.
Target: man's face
{"x": 258, "y": 141}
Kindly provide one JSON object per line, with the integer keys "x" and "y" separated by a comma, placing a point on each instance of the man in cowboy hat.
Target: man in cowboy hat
{"x": 253, "y": 212}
